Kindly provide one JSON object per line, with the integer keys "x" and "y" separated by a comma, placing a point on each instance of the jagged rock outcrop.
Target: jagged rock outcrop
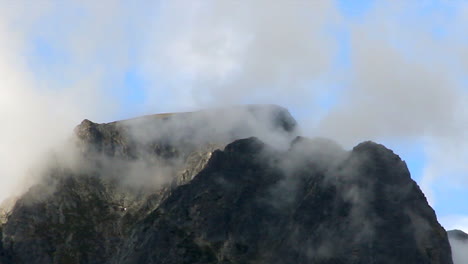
{"x": 123, "y": 171}
{"x": 363, "y": 209}
{"x": 4, "y": 259}
{"x": 197, "y": 188}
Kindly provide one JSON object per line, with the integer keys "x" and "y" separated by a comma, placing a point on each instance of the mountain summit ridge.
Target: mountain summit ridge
{"x": 232, "y": 186}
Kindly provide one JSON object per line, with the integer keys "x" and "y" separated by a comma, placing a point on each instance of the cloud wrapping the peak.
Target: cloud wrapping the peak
{"x": 40, "y": 104}
{"x": 397, "y": 73}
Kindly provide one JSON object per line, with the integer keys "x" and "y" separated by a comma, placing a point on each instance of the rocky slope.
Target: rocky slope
{"x": 198, "y": 188}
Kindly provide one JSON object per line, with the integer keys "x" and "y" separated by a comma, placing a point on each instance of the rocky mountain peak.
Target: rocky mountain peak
{"x": 212, "y": 187}
{"x": 87, "y": 130}
{"x": 250, "y": 145}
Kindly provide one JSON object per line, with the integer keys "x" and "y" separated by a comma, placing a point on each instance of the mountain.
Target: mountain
{"x": 459, "y": 243}
{"x": 230, "y": 185}
{"x": 458, "y": 235}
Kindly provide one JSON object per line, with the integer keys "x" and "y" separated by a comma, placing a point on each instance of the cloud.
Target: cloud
{"x": 459, "y": 254}
{"x": 38, "y": 107}
{"x": 229, "y": 52}
{"x": 405, "y": 83}
{"x": 405, "y": 80}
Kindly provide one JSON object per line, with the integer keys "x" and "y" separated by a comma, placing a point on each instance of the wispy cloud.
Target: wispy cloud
{"x": 405, "y": 79}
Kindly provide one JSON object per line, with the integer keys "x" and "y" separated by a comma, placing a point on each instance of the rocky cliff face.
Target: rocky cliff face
{"x": 197, "y": 188}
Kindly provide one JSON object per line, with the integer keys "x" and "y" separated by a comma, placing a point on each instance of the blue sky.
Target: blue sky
{"x": 355, "y": 9}
{"x": 339, "y": 64}
{"x": 47, "y": 58}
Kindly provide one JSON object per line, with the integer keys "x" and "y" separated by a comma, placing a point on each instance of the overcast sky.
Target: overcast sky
{"x": 392, "y": 71}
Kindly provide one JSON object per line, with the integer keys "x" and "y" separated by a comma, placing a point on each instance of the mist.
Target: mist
{"x": 395, "y": 77}
{"x": 459, "y": 254}
{"x": 393, "y": 74}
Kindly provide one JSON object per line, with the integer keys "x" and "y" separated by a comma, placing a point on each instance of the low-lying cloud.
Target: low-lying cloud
{"x": 402, "y": 76}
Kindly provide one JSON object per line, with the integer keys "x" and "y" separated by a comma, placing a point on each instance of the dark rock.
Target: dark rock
{"x": 197, "y": 188}
{"x": 4, "y": 258}
{"x": 458, "y": 235}
{"x": 81, "y": 215}
{"x": 227, "y": 215}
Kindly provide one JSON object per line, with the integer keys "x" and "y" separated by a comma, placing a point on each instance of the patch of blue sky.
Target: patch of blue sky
{"x": 464, "y": 83}
{"x": 443, "y": 9}
{"x": 343, "y": 57}
{"x": 327, "y": 101}
{"x": 434, "y": 17}
{"x": 355, "y": 9}
{"x": 449, "y": 198}
{"x": 47, "y": 60}
{"x": 133, "y": 95}
{"x": 47, "y": 54}
{"x": 430, "y": 18}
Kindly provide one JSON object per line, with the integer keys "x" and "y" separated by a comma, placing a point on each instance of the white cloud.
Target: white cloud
{"x": 403, "y": 83}
{"x": 38, "y": 112}
{"x": 229, "y": 52}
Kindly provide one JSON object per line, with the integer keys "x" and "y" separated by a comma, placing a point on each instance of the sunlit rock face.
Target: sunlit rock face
{"x": 233, "y": 185}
